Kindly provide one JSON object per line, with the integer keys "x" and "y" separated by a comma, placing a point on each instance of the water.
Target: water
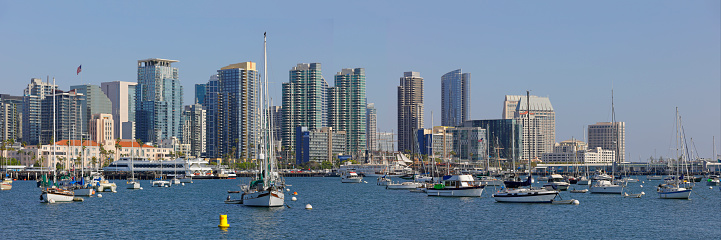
{"x": 350, "y": 211}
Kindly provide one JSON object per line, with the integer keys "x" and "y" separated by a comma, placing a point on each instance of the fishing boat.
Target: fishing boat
{"x": 265, "y": 189}
{"x": 675, "y": 188}
{"x": 456, "y": 186}
{"x": 350, "y": 177}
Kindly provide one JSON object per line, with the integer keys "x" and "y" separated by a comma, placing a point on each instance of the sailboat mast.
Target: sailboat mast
{"x": 54, "y": 126}
{"x": 528, "y": 116}
{"x": 677, "y": 139}
{"x": 264, "y": 168}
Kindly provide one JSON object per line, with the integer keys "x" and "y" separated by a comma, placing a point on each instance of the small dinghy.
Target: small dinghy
{"x": 233, "y": 191}
{"x": 579, "y": 191}
{"x": 572, "y": 201}
{"x": 233, "y": 201}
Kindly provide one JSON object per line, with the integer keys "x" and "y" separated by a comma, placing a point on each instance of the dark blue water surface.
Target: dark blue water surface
{"x": 346, "y": 211}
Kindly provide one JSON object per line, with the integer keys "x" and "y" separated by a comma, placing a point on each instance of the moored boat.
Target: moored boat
{"x": 403, "y": 186}
{"x": 456, "y": 186}
{"x": 350, "y": 177}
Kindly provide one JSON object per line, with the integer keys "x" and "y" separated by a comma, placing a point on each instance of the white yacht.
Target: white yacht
{"x": 605, "y": 186}
{"x": 556, "y": 182}
{"x": 456, "y": 186}
{"x": 350, "y": 177}
{"x": 525, "y": 195}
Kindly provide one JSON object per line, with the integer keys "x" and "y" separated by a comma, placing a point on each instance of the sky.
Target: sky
{"x": 655, "y": 55}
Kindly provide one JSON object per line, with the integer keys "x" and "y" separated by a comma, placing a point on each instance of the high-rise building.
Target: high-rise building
{"x": 304, "y": 101}
{"x": 232, "y": 114}
{"x": 11, "y": 109}
{"x": 159, "y": 100}
{"x": 318, "y": 145}
{"x": 95, "y": 102}
{"x": 470, "y": 143}
{"x": 539, "y": 130}
{"x": 410, "y": 110}
{"x": 455, "y": 97}
{"x": 200, "y": 90}
{"x": 276, "y": 118}
{"x": 33, "y": 97}
{"x": 69, "y": 115}
{"x": 101, "y": 129}
{"x": 347, "y": 108}
{"x": 505, "y": 140}
{"x": 609, "y": 136}
{"x": 371, "y": 127}
{"x": 122, "y": 98}
{"x": 194, "y": 127}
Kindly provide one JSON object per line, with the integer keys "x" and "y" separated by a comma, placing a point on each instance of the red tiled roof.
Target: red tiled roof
{"x": 88, "y": 143}
{"x": 130, "y": 143}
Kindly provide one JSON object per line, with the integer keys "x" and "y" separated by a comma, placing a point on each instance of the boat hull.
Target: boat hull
{"x": 606, "y": 189}
{"x": 84, "y": 192}
{"x": 351, "y": 180}
{"x": 272, "y": 198}
{"x": 133, "y": 185}
{"x": 680, "y": 194}
{"x": 559, "y": 187}
{"x": 525, "y": 197}
{"x": 56, "y": 196}
{"x": 402, "y": 186}
{"x": 161, "y": 184}
{"x": 455, "y": 192}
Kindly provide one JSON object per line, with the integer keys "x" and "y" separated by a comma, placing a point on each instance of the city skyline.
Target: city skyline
{"x": 575, "y": 58}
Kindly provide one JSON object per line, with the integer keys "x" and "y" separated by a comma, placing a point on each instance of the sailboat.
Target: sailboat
{"x": 266, "y": 189}
{"x": 673, "y": 188}
{"x": 132, "y": 183}
{"x": 526, "y": 194}
{"x": 159, "y": 182}
{"x": 603, "y": 183}
{"x": 7, "y": 183}
{"x": 50, "y": 192}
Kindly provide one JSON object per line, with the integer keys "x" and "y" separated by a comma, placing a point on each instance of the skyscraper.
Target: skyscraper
{"x": 11, "y": 109}
{"x": 455, "y": 97}
{"x": 539, "y": 131}
{"x": 159, "y": 101}
{"x": 304, "y": 101}
{"x": 371, "y": 127}
{"x": 276, "y": 117}
{"x": 194, "y": 129}
{"x": 200, "y": 90}
{"x": 609, "y": 136}
{"x": 410, "y": 110}
{"x": 347, "y": 108}
{"x": 33, "y": 97}
{"x": 96, "y": 102}
{"x": 122, "y": 97}
{"x": 69, "y": 113}
{"x": 232, "y": 114}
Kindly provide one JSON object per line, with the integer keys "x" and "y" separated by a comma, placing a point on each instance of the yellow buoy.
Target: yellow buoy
{"x": 223, "y": 221}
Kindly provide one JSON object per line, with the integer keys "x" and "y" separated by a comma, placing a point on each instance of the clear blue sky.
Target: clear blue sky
{"x": 656, "y": 54}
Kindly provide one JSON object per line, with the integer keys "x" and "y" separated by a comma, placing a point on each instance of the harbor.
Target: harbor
{"x": 192, "y": 211}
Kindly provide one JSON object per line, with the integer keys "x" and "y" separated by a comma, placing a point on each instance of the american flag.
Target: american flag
{"x": 79, "y": 69}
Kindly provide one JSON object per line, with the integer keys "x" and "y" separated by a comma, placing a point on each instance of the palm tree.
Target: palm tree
{"x": 117, "y": 148}
{"x": 94, "y": 161}
{"x": 140, "y": 143}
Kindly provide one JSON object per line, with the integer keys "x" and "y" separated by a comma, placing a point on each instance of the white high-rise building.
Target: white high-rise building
{"x": 609, "y": 136}
{"x": 539, "y": 130}
{"x": 371, "y": 125}
{"x": 122, "y": 97}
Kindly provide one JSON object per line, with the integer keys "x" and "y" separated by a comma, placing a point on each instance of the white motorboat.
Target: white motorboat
{"x": 605, "y": 186}
{"x": 456, "y": 186}
{"x": 175, "y": 181}
{"x": 584, "y": 181}
{"x": 6, "y": 184}
{"x": 53, "y": 195}
{"x": 84, "y": 191}
{"x": 350, "y": 177}
{"x": 525, "y": 195}
{"x": 161, "y": 183}
{"x": 557, "y": 182}
{"x": 403, "y": 186}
